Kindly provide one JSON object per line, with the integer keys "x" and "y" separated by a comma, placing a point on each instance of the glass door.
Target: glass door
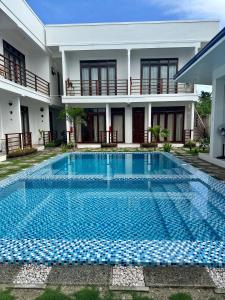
{"x": 118, "y": 123}
{"x": 98, "y": 77}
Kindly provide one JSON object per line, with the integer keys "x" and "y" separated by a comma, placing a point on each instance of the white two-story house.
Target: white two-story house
{"x": 122, "y": 75}
{"x": 29, "y": 76}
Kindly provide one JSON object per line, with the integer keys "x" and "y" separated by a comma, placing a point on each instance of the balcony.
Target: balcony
{"x": 15, "y": 73}
{"x": 159, "y": 86}
{"x": 120, "y": 87}
{"x": 96, "y": 87}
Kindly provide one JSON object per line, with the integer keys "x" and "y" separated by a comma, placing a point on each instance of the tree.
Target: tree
{"x": 156, "y": 131}
{"x": 74, "y": 115}
{"x": 203, "y": 106}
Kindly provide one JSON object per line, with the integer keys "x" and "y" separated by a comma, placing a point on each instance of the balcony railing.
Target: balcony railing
{"x": 14, "y": 72}
{"x": 96, "y": 87}
{"x": 159, "y": 86}
{"x": 120, "y": 87}
{"x": 17, "y": 141}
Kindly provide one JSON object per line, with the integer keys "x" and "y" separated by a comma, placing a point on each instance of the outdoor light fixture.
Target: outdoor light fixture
{"x": 53, "y": 71}
{"x": 10, "y": 103}
{"x": 42, "y": 109}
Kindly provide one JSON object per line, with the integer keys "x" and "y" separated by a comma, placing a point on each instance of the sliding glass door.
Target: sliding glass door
{"x": 98, "y": 78}
{"x": 171, "y": 118}
{"x": 157, "y": 76}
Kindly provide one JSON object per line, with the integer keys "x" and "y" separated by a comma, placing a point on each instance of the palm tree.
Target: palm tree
{"x": 74, "y": 115}
{"x": 165, "y": 133}
{"x": 155, "y": 131}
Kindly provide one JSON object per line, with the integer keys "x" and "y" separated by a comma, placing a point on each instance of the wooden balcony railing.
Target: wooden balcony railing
{"x": 159, "y": 86}
{"x": 15, "y": 141}
{"x": 14, "y": 72}
{"x": 108, "y": 137}
{"x": 96, "y": 87}
{"x": 120, "y": 87}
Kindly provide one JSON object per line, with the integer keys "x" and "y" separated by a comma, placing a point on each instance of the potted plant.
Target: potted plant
{"x": 74, "y": 115}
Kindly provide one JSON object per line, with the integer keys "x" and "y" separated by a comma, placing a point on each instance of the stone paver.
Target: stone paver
{"x": 128, "y": 276}
{"x": 98, "y": 275}
{"x": 8, "y": 273}
{"x": 177, "y": 277}
{"x": 212, "y": 170}
{"x": 32, "y": 275}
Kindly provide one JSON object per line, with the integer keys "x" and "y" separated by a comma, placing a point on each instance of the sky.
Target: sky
{"x": 87, "y": 11}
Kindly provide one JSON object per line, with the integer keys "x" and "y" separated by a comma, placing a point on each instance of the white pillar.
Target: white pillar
{"x": 128, "y": 125}
{"x": 108, "y": 120}
{"x": 128, "y": 69}
{"x": 217, "y": 117}
{"x": 64, "y": 71}
{"x": 149, "y": 120}
{"x": 192, "y": 120}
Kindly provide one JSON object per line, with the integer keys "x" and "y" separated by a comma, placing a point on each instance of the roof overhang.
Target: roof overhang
{"x": 200, "y": 68}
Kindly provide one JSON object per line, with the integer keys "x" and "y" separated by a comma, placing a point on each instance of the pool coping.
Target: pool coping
{"x": 145, "y": 253}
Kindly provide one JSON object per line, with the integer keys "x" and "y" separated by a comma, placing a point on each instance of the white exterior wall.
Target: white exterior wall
{"x": 118, "y": 34}
{"x": 9, "y": 123}
{"x": 23, "y": 16}
{"x": 37, "y": 122}
{"x": 218, "y": 111}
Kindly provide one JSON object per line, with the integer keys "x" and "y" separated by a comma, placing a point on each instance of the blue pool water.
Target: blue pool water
{"x": 175, "y": 218}
{"x": 113, "y": 164}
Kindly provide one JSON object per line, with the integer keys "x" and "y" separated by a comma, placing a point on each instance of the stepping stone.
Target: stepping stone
{"x": 32, "y": 275}
{"x": 218, "y": 277}
{"x": 98, "y": 275}
{"x": 130, "y": 276}
{"x": 8, "y": 272}
{"x": 172, "y": 276}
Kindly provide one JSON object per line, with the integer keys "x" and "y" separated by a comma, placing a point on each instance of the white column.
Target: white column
{"x": 68, "y": 126}
{"x": 108, "y": 120}
{"x": 64, "y": 71}
{"x": 149, "y": 120}
{"x": 192, "y": 120}
{"x": 217, "y": 117}
{"x": 128, "y": 69}
{"x": 128, "y": 125}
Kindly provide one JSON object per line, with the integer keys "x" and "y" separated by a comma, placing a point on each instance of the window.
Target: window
{"x": 157, "y": 76}
{"x": 14, "y": 64}
{"x": 98, "y": 77}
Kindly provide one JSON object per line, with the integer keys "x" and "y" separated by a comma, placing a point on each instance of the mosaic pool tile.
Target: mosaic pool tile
{"x": 142, "y": 219}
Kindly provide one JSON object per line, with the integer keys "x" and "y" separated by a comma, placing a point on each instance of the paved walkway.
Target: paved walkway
{"x": 194, "y": 160}
{"x": 200, "y": 283}
{"x": 12, "y": 166}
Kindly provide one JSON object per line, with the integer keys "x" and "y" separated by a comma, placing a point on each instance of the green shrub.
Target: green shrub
{"x": 136, "y": 297}
{"x": 149, "y": 145}
{"x": 167, "y": 147}
{"x": 53, "y": 295}
{"x": 87, "y": 294}
{"x": 180, "y": 296}
{"x": 50, "y": 145}
{"x": 71, "y": 145}
{"x": 109, "y": 145}
{"x": 5, "y": 295}
{"x": 21, "y": 152}
{"x": 190, "y": 144}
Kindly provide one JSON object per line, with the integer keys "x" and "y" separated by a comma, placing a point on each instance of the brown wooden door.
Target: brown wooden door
{"x": 138, "y": 124}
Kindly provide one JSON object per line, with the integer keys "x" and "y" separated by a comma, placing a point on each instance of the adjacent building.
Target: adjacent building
{"x": 208, "y": 67}
{"x": 120, "y": 73}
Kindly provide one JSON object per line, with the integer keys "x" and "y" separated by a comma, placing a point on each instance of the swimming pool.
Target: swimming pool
{"x": 129, "y": 208}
